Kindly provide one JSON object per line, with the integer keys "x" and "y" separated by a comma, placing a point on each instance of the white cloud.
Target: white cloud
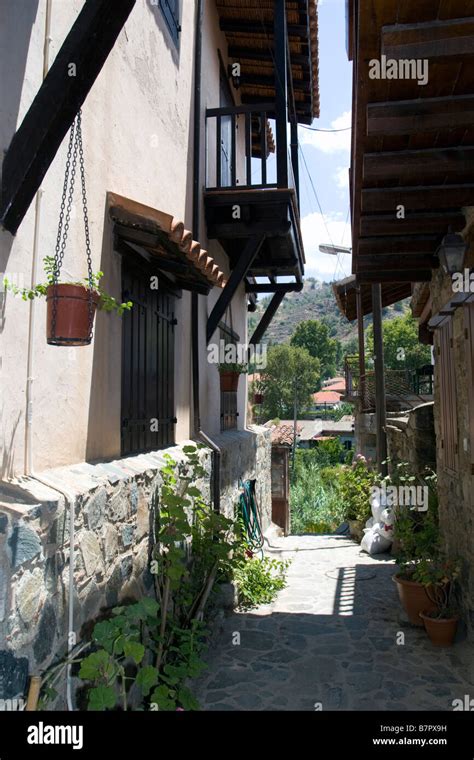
{"x": 316, "y": 232}
{"x": 329, "y": 142}
{"x": 341, "y": 177}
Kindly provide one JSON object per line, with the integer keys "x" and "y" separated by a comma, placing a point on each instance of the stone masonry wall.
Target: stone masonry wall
{"x": 112, "y": 545}
{"x": 411, "y": 438}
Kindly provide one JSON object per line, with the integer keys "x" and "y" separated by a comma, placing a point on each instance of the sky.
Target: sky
{"x": 327, "y": 155}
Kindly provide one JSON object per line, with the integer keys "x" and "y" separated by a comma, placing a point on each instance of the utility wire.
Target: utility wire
{"x": 315, "y": 129}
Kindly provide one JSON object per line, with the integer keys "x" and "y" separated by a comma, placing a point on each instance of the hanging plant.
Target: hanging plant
{"x": 229, "y": 375}
{"x": 71, "y": 306}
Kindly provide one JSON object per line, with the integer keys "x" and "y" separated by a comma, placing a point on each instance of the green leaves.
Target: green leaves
{"x": 135, "y": 650}
{"x": 98, "y": 665}
{"x": 147, "y": 677}
{"x": 102, "y": 698}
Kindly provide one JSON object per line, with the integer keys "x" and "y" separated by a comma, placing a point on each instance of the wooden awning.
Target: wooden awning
{"x": 412, "y": 142}
{"x": 163, "y": 240}
{"x": 346, "y": 291}
{"x": 248, "y": 25}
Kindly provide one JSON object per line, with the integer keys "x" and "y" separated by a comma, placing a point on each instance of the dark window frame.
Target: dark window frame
{"x": 171, "y": 12}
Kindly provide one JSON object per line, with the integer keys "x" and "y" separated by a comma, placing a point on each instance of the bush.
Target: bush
{"x": 315, "y": 499}
{"x": 355, "y": 485}
{"x": 259, "y": 580}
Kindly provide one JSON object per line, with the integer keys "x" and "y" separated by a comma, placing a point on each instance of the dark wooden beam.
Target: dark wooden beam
{"x": 383, "y": 262}
{"x": 455, "y": 163}
{"x": 405, "y": 117}
{"x": 267, "y": 317}
{"x": 381, "y": 245}
{"x": 379, "y": 366}
{"x": 244, "y": 262}
{"x": 417, "y": 198}
{"x": 388, "y": 224}
{"x": 56, "y": 104}
{"x": 397, "y": 275}
{"x": 280, "y": 287}
{"x": 269, "y": 81}
{"x": 280, "y": 32}
{"x": 429, "y": 39}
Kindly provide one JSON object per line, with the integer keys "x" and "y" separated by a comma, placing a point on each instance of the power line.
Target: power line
{"x": 315, "y": 129}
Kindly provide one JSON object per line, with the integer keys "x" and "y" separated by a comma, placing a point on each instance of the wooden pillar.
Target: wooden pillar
{"x": 280, "y": 55}
{"x": 380, "y": 405}
{"x": 360, "y": 330}
{"x": 294, "y": 157}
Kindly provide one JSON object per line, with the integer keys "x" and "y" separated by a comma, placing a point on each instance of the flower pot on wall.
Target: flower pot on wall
{"x": 414, "y": 599}
{"x": 229, "y": 380}
{"x": 71, "y": 324}
{"x": 440, "y": 630}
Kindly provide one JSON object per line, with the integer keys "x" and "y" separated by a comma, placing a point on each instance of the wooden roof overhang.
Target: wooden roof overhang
{"x": 345, "y": 292}
{"x": 248, "y": 26}
{"x": 412, "y": 144}
{"x": 163, "y": 241}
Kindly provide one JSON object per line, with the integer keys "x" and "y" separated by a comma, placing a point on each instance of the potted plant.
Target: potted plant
{"x": 439, "y": 579}
{"x": 71, "y": 306}
{"x": 356, "y": 482}
{"x": 229, "y": 375}
{"x": 417, "y": 540}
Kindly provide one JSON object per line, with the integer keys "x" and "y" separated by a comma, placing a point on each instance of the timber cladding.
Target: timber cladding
{"x": 448, "y": 407}
{"x": 469, "y": 338}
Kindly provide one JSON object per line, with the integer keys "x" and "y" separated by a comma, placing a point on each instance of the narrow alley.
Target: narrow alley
{"x": 331, "y": 641}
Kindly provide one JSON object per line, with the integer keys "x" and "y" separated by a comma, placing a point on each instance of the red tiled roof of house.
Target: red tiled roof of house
{"x": 337, "y": 385}
{"x": 326, "y": 397}
{"x": 284, "y": 433}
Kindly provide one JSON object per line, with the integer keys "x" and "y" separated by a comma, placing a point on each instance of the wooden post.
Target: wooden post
{"x": 380, "y": 406}
{"x": 279, "y": 47}
{"x": 360, "y": 330}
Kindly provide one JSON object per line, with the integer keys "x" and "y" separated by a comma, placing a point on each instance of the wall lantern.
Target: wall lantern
{"x": 451, "y": 253}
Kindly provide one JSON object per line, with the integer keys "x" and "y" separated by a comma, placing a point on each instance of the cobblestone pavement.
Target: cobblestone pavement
{"x": 331, "y": 638}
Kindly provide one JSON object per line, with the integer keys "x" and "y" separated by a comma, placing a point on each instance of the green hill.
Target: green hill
{"x": 316, "y": 301}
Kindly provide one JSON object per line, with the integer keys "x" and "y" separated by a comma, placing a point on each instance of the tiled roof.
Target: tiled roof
{"x": 337, "y": 385}
{"x": 326, "y": 397}
{"x": 283, "y": 433}
{"x": 168, "y": 237}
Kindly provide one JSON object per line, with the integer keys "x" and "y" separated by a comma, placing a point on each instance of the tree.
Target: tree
{"x": 402, "y": 349}
{"x": 289, "y": 368}
{"x": 314, "y": 336}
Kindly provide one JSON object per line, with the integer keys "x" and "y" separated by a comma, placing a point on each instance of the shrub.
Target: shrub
{"x": 355, "y": 485}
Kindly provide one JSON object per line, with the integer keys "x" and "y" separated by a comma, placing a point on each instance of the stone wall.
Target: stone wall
{"x": 111, "y": 503}
{"x": 411, "y": 438}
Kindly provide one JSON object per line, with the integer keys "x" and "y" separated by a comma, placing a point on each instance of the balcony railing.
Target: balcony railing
{"x": 404, "y": 389}
{"x": 235, "y": 136}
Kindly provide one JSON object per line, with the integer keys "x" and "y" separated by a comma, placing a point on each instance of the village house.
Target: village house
{"x": 192, "y": 197}
{"x": 412, "y": 199}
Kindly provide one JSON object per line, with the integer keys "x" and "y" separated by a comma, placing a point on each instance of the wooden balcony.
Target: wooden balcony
{"x": 404, "y": 389}
{"x": 252, "y": 192}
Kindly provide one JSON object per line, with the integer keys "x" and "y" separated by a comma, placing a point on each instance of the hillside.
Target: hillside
{"x": 316, "y": 301}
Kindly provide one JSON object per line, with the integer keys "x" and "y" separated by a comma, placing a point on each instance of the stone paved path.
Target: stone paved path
{"x": 331, "y": 638}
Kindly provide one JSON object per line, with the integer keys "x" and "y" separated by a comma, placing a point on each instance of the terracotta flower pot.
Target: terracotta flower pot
{"x": 72, "y": 314}
{"x": 440, "y": 630}
{"x": 229, "y": 381}
{"x": 413, "y": 598}
{"x": 258, "y": 398}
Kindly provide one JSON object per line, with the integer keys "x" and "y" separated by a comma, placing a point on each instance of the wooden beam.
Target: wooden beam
{"x": 404, "y": 244}
{"x": 267, "y": 317}
{"x": 263, "y": 54}
{"x": 260, "y": 27}
{"x": 239, "y": 272}
{"x": 269, "y": 81}
{"x": 454, "y": 163}
{"x": 429, "y": 39}
{"x": 405, "y": 117}
{"x": 56, "y": 104}
{"x": 380, "y": 400}
{"x": 397, "y": 275}
{"x": 383, "y": 262}
{"x": 280, "y": 287}
{"x": 280, "y": 32}
{"x": 417, "y": 198}
{"x": 388, "y": 224}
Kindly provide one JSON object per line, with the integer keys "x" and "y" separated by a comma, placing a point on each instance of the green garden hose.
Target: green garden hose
{"x": 250, "y": 517}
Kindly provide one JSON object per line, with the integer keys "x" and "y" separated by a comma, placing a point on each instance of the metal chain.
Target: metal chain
{"x": 86, "y": 221}
{"x": 75, "y": 148}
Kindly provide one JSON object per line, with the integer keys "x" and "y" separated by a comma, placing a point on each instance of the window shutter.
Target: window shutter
{"x": 448, "y": 407}
{"x": 170, "y": 10}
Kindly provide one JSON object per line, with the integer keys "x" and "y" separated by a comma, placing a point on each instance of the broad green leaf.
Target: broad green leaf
{"x": 147, "y": 677}
{"x": 135, "y": 650}
{"x": 101, "y": 698}
{"x": 96, "y": 665}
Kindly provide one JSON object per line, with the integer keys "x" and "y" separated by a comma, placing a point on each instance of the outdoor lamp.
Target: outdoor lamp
{"x": 451, "y": 253}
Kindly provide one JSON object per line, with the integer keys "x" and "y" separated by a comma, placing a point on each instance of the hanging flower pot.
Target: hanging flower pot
{"x": 258, "y": 398}
{"x": 229, "y": 376}
{"x": 70, "y": 314}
